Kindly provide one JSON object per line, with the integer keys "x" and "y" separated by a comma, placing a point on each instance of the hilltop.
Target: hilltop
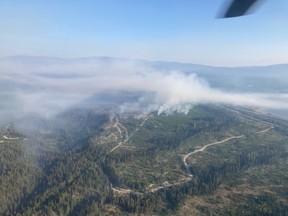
{"x": 95, "y": 163}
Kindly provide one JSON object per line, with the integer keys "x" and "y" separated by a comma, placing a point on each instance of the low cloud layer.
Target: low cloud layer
{"x": 49, "y": 86}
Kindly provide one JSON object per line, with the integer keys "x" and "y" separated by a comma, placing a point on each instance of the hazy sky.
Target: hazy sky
{"x": 172, "y": 30}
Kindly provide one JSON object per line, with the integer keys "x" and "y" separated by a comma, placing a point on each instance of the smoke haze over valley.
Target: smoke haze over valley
{"x": 47, "y": 86}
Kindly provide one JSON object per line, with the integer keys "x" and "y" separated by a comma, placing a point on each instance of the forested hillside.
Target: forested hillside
{"x": 214, "y": 159}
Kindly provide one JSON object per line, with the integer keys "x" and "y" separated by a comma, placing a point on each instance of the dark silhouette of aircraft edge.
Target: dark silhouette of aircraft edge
{"x": 239, "y": 8}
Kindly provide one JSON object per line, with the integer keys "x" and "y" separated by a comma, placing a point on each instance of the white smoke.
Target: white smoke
{"x": 47, "y": 88}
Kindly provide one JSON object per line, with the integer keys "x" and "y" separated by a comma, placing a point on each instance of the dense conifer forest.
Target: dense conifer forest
{"x": 214, "y": 160}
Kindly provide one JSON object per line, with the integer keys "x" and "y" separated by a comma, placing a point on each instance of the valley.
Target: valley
{"x": 151, "y": 164}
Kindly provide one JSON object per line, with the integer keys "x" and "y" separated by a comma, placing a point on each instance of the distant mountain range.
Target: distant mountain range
{"x": 266, "y": 79}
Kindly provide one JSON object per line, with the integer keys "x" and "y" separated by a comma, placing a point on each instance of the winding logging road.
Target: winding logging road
{"x": 271, "y": 126}
{"x": 201, "y": 150}
{"x": 127, "y": 137}
{"x": 8, "y": 138}
{"x": 119, "y": 126}
{"x": 204, "y": 147}
{"x": 121, "y": 129}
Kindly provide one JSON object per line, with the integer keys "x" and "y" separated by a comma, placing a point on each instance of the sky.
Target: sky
{"x": 170, "y": 30}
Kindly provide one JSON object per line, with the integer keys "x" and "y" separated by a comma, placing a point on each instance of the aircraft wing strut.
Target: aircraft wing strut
{"x": 239, "y": 8}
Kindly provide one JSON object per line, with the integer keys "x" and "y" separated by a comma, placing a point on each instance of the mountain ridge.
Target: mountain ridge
{"x": 108, "y": 58}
